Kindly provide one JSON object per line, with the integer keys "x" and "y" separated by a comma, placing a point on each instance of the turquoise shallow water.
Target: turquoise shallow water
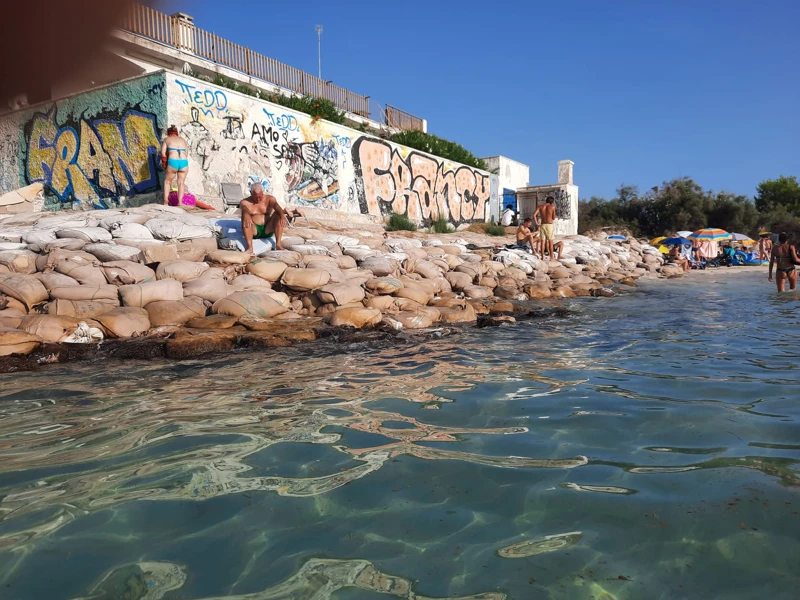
{"x": 641, "y": 447}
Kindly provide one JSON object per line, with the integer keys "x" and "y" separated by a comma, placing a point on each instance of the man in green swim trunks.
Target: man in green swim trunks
{"x": 262, "y": 218}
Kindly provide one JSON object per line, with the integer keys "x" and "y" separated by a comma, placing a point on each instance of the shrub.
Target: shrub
{"x": 400, "y": 223}
{"x": 498, "y": 230}
{"x": 441, "y": 225}
{"x": 438, "y": 147}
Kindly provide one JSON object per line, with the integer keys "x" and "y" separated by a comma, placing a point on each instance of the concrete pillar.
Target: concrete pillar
{"x": 183, "y": 28}
{"x": 565, "y": 172}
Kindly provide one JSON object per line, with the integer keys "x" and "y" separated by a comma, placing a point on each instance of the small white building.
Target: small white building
{"x": 565, "y": 193}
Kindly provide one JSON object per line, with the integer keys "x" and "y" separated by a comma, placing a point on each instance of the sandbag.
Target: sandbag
{"x": 356, "y": 276}
{"x": 16, "y": 341}
{"x": 359, "y": 253}
{"x": 305, "y": 280}
{"x": 427, "y": 269}
{"x": 142, "y": 294}
{"x": 11, "y": 318}
{"x": 340, "y": 293}
{"x": 172, "y": 229}
{"x": 81, "y": 309}
{"x": 383, "y": 285}
{"x": 39, "y": 237}
{"x": 112, "y": 252}
{"x": 19, "y": 261}
{"x": 346, "y": 262}
{"x": 250, "y": 282}
{"x": 269, "y": 270}
{"x": 85, "y": 292}
{"x": 50, "y": 328}
{"x": 413, "y": 294}
{"x": 397, "y": 244}
{"x": 87, "y": 234}
{"x": 213, "y": 273}
{"x": 474, "y": 271}
{"x": 306, "y": 249}
{"x": 382, "y": 303}
{"x": 458, "y": 281}
{"x": 130, "y": 231}
{"x": 290, "y": 259}
{"x": 477, "y": 292}
{"x": 413, "y": 320}
{"x": 51, "y": 280}
{"x": 380, "y": 267}
{"x": 26, "y": 289}
{"x": 180, "y": 270}
{"x": 356, "y": 317}
{"x": 458, "y": 315}
{"x": 335, "y": 272}
{"x": 229, "y": 257}
{"x": 82, "y": 273}
{"x": 209, "y": 289}
{"x": 125, "y": 322}
{"x": 175, "y": 312}
{"x": 108, "y": 222}
{"x": 509, "y": 293}
{"x": 85, "y": 334}
{"x": 255, "y": 304}
{"x": 126, "y": 272}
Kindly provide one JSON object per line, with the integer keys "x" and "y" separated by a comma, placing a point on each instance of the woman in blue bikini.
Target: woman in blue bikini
{"x": 175, "y": 160}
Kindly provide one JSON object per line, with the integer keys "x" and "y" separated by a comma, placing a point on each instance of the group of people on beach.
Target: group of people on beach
{"x": 537, "y": 233}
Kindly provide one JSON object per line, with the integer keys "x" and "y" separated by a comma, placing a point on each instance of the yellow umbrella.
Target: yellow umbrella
{"x": 663, "y": 249}
{"x": 656, "y": 241}
{"x": 748, "y": 242}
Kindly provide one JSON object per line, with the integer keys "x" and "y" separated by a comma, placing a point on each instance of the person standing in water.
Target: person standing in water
{"x": 784, "y": 256}
{"x": 764, "y": 246}
{"x": 175, "y": 160}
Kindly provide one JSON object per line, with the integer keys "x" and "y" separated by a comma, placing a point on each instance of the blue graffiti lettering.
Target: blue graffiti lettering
{"x": 283, "y": 122}
{"x": 206, "y": 100}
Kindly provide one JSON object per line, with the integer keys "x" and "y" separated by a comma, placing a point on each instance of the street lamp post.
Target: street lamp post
{"x": 319, "y": 50}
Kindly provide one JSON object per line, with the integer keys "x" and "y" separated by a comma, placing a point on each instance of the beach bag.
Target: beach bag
{"x": 16, "y": 341}
{"x": 305, "y": 280}
{"x": 125, "y": 322}
{"x": 25, "y": 288}
{"x": 175, "y": 312}
{"x": 254, "y": 304}
{"x": 126, "y": 272}
{"x": 180, "y": 270}
{"x": 142, "y": 294}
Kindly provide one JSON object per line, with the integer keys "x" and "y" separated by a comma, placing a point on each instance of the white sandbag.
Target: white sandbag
{"x": 63, "y": 221}
{"x": 125, "y": 322}
{"x": 19, "y": 261}
{"x": 16, "y": 341}
{"x": 269, "y": 270}
{"x": 88, "y": 234}
{"x": 142, "y": 294}
{"x": 180, "y": 270}
{"x": 27, "y": 289}
{"x": 398, "y": 244}
{"x": 340, "y": 293}
{"x": 175, "y": 312}
{"x": 82, "y": 309}
{"x": 307, "y": 249}
{"x": 380, "y": 267}
{"x": 343, "y": 240}
{"x": 209, "y": 289}
{"x": 173, "y": 229}
{"x": 254, "y": 304}
{"x": 112, "y": 252}
{"x": 127, "y": 272}
{"x": 360, "y": 253}
{"x": 109, "y": 221}
{"x": 305, "y": 280}
{"x": 39, "y": 237}
{"x": 85, "y": 334}
{"x": 131, "y": 231}
{"x": 12, "y": 246}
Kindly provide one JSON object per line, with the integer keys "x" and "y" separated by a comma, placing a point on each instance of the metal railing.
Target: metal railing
{"x": 174, "y": 30}
{"x": 400, "y": 119}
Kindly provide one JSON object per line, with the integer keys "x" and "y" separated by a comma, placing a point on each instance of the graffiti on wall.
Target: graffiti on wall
{"x": 208, "y": 101}
{"x": 563, "y": 200}
{"x": 418, "y": 186}
{"x": 93, "y": 160}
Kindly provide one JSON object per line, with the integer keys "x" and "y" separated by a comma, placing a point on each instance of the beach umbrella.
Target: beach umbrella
{"x": 740, "y": 237}
{"x": 663, "y": 249}
{"x": 684, "y": 233}
{"x": 618, "y": 238}
{"x": 657, "y": 241}
{"x": 711, "y": 234}
{"x": 677, "y": 241}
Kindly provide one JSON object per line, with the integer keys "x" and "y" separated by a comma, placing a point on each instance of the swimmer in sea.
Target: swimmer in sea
{"x": 784, "y": 257}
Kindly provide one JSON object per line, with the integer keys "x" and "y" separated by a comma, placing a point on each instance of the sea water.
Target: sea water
{"x": 640, "y": 447}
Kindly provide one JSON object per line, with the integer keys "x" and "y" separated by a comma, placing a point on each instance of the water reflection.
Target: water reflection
{"x": 665, "y": 446}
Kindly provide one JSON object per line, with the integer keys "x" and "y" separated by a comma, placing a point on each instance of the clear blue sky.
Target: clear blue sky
{"x": 634, "y": 92}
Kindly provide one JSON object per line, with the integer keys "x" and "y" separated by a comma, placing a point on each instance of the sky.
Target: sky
{"x": 633, "y": 92}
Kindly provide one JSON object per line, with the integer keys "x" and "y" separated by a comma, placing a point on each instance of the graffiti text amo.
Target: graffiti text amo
{"x": 88, "y": 161}
{"x": 208, "y": 101}
{"x": 418, "y": 186}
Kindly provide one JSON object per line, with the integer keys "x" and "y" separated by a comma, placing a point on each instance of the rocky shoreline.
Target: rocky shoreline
{"x": 152, "y": 282}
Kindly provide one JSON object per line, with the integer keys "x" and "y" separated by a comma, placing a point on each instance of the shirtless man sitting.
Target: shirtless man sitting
{"x": 547, "y": 213}
{"x": 262, "y": 218}
{"x": 527, "y": 238}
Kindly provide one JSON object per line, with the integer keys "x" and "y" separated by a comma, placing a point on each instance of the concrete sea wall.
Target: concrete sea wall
{"x": 92, "y": 150}
{"x": 100, "y": 149}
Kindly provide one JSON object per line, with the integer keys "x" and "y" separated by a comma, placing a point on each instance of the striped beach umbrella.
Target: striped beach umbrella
{"x": 710, "y": 233}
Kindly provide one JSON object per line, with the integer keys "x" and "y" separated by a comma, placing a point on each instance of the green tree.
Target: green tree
{"x": 780, "y": 193}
